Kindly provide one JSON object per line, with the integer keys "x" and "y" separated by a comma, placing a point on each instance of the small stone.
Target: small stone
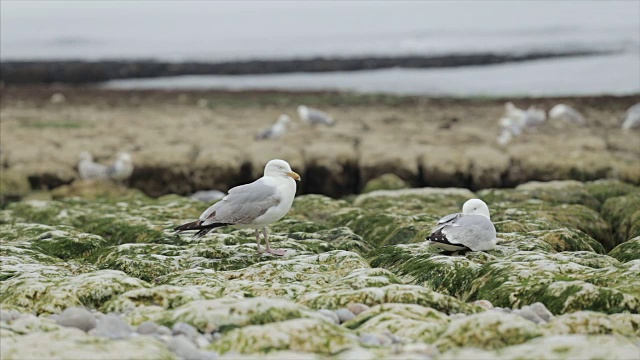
{"x": 57, "y": 98}
{"x": 371, "y": 340}
{"x": 202, "y": 341}
{"x": 528, "y": 314}
{"x": 148, "y": 327}
{"x": 8, "y": 315}
{"x": 182, "y": 328}
{"x": 344, "y": 315}
{"x": 184, "y": 348}
{"x": 357, "y": 308}
{"x": 77, "y": 317}
{"x": 485, "y": 304}
{"x": 542, "y": 311}
{"x": 330, "y": 315}
{"x": 163, "y": 330}
{"x": 54, "y": 317}
{"x": 113, "y": 327}
{"x": 203, "y": 103}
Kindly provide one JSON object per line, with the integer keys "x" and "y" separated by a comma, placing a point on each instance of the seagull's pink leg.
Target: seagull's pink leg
{"x": 278, "y": 252}
{"x": 258, "y": 240}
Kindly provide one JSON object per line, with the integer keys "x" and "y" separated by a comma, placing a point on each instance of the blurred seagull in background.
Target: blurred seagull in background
{"x": 567, "y": 114}
{"x": 122, "y": 169}
{"x": 470, "y": 230}
{"x": 632, "y": 118}
{"x": 207, "y": 196}
{"x": 253, "y": 205}
{"x": 276, "y": 130}
{"x": 90, "y": 170}
{"x": 315, "y": 116}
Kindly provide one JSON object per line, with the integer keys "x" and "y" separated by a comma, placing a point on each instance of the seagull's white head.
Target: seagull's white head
{"x": 85, "y": 156}
{"x": 280, "y": 168}
{"x": 476, "y": 207}
{"x": 303, "y": 112}
{"x": 284, "y": 119}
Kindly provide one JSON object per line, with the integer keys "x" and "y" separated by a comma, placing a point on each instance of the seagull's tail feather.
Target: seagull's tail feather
{"x": 195, "y": 225}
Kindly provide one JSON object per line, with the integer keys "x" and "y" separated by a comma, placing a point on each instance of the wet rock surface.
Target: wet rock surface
{"x": 105, "y": 277}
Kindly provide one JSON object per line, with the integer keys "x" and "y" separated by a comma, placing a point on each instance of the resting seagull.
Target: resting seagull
{"x": 90, "y": 170}
{"x": 471, "y": 230}
{"x": 253, "y": 205}
{"x": 276, "y": 130}
{"x": 122, "y": 169}
{"x": 567, "y": 113}
{"x": 315, "y": 116}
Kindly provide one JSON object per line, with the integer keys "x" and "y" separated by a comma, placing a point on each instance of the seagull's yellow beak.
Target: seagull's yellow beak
{"x": 294, "y": 175}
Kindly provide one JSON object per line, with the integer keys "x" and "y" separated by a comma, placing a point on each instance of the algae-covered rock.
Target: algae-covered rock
{"x": 228, "y": 313}
{"x": 306, "y": 335}
{"x": 406, "y": 321}
{"x": 13, "y": 185}
{"x": 594, "y": 323}
{"x": 623, "y": 213}
{"x": 608, "y": 188}
{"x": 385, "y": 182}
{"x": 566, "y": 347}
{"x": 404, "y": 294}
{"x": 488, "y": 330}
{"x": 627, "y": 251}
{"x": 165, "y": 296}
{"x": 72, "y": 343}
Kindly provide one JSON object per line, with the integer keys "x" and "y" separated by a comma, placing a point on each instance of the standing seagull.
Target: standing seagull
{"x": 315, "y": 116}
{"x": 276, "y": 130}
{"x": 632, "y": 118}
{"x": 122, "y": 169}
{"x": 90, "y": 170}
{"x": 470, "y": 230}
{"x": 253, "y": 205}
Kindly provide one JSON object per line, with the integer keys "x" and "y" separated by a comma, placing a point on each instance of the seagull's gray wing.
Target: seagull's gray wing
{"x": 244, "y": 204}
{"x": 446, "y": 220}
{"x": 475, "y": 232}
{"x": 320, "y": 117}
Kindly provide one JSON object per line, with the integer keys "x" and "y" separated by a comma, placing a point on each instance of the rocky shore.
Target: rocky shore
{"x": 182, "y": 142}
{"x": 100, "y": 274}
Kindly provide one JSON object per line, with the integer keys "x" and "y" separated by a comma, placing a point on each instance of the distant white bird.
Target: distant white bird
{"x": 567, "y": 113}
{"x": 470, "y": 230}
{"x": 253, "y": 205}
{"x": 315, "y": 116}
{"x": 632, "y": 118}
{"x": 276, "y": 130}
{"x": 207, "y": 196}
{"x": 534, "y": 116}
{"x": 122, "y": 168}
{"x": 505, "y": 137}
{"x": 90, "y": 170}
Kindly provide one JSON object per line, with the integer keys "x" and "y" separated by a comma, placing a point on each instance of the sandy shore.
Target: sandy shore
{"x": 187, "y": 141}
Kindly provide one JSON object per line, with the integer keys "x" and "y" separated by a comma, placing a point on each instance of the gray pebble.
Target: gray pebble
{"x": 163, "y": 330}
{"x": 528, "y": 314}
{"x": 202, "y": 341}
{"x": 542, "y": 311}
{"x": 184, "y": 348}
{"x": 77, "y": 317}
{"x": 485, "y": 304}
{"x": 148, "y": 327}
{"x": 358, "y": 308}
{"x": 113, "y": 327}
{"x": 182, "y": 328}
{"x": 344, "y": 315}
{"x": 330, "y": 315}
{"x": 6, "y": 315}
{"x": 371, "y": 340}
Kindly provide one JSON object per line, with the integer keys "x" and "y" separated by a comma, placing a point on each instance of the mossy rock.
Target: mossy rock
{"x": 13, "y": 186}
{"x": 552, "y": 192}
{"x": 489, "y": 330}
{"x": 52, "y": 295}
{"x": 623, "y": 213}
{"x": 228, "y": 313}
{"x": 408, "y": 321}
{"x": 594, "y": 323}
{"x": 403, "y": 294}
{"x": 385, "y": 182}
{"x": 627, "y": 251}
{"x": 561, "y": 347}
{"x": 72, "y": 343}
{"x": 165, "y": 296}
{"x": 143, "y": 261}
{"x": 305, "y": 335}
{"x": 436, "y": 202}
{"x": 316, "y": 208}
{"x": 608, "y": 188}
{"x": 560, "y": 281}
